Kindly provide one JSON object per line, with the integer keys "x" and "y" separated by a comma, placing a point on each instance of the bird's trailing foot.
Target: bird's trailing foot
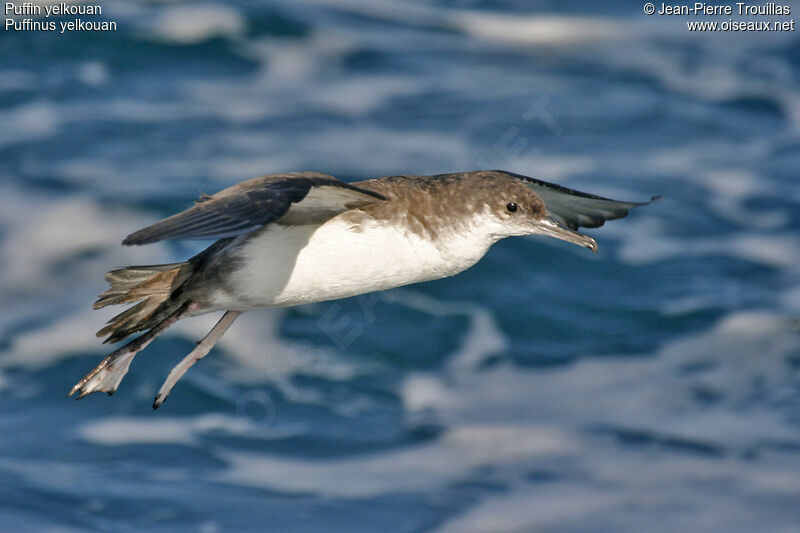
{"x": 107, "y": 376}
{"x": 200, "y": 351}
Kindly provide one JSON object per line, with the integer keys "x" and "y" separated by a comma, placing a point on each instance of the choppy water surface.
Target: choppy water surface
{"x": 653, "y": 387}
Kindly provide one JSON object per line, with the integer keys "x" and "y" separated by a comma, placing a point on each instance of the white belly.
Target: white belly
{"x": 303, "y": 264}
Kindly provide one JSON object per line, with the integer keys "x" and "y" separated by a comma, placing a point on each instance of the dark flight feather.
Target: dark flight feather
{"x": 576, "y": 209}
{"x": 301, "y": 197}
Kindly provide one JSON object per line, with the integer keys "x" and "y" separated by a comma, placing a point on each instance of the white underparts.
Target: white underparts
{"x": 288, "y": 265}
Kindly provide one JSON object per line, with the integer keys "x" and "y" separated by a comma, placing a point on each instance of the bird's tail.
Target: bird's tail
{"x": 156, "y": 288}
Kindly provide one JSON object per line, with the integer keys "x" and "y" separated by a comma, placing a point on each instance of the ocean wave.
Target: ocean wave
{"x": 32, "y": 121}
{"x": 191, "y": 24}
{"x": 598, "y": 391}
{"x": 120, "y": 430}
{"x": 458, "y": 453}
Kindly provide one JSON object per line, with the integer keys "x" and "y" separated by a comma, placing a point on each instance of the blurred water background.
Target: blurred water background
{"x": 653, "y": 387}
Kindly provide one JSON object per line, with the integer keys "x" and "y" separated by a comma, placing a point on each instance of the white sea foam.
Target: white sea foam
{"x": 454, "y": 456}
{"x": 617, "y": 487}
{"x": 363, "y": 94}
{"x": 29, "y": 122}
{"x": 408, "y": 12}
{"x": 483, "y": 338}
{"x": 730, "y": 181}
{"x": 550, "y": 167}
{"x": 791, "y": 102}
{"x": 293, "y": 61}
{"x": 645, "y": 492}
{"x": 94, "y": 73}
{"x": 729, "y": 188}
{"x": 791, "y": 299}
{"x": 55, "y": 251}
{"x": 42, "y": 232}
{"x": 346, "y": 148}
{"x": 541, "y": 30}
{"x": 196, "y": 23}
{"x": 600, "y": 391}
{"x": 257, "y": 355}
{"x": 715, "y": 73}
{"x": 16, "y": 80}
{"x": 503, "y": 417}
{"x": 289, "y": 69}
{"x": 41, "y": 347}
{"x": 396, "y": 149}
{"x": 645, "y": 242}
{"x": 517, "y": 29}
{"x": 122, "y": 430}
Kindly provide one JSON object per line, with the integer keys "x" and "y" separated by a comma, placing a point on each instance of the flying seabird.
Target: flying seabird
{"x": 303, "y": 237}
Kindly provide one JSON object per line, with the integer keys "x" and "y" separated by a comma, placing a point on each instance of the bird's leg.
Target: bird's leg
{"x": 200, "y": 351}
{"x": 107, "y": 376}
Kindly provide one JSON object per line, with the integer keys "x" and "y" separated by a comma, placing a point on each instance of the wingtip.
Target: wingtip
{"x": 138, "y": 237}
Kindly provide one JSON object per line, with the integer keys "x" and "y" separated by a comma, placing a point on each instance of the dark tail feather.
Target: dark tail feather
{"x": 154, "y": 287}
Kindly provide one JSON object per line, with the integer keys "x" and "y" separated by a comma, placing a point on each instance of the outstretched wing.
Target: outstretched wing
{"x": 293, "y": 198}
{"x": 576, "y": 209}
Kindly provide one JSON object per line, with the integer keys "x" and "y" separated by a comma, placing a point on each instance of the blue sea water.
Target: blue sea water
{"x": 652, "y": 387}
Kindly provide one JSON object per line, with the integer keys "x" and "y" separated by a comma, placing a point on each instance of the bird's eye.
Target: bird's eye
{"x": 512, "y": 207}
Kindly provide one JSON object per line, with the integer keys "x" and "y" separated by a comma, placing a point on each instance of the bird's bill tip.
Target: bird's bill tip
{"x": 552, "y": 228}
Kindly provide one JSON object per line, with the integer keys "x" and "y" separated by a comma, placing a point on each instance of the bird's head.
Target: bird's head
{"x": 516, "y": 209}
